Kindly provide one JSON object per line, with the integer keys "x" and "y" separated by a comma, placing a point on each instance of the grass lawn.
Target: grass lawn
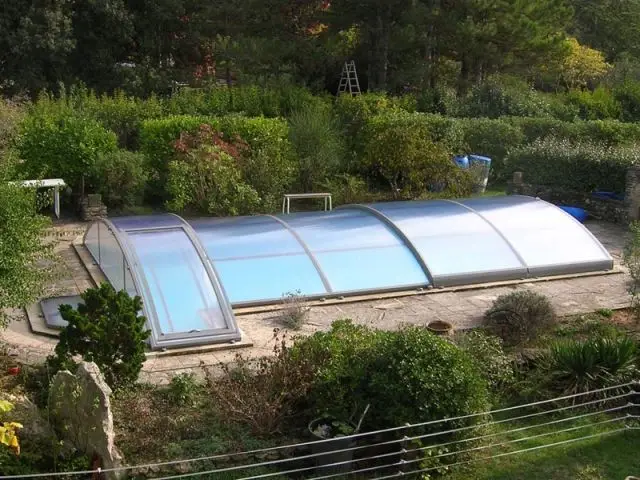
{"x": 612, "y": 456}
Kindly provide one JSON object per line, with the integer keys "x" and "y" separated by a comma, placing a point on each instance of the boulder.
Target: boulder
{"x": 80, "y": 409}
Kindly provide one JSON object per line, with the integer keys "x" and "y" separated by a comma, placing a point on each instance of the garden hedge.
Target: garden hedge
{"x": 270, "y": 168}
{"x": 574, "y": 165}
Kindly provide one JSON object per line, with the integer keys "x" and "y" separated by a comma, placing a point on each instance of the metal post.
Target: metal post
{"x": 284, "y": 202}
{"x": 330, "y": 204}
{"x": 56, "y": 201}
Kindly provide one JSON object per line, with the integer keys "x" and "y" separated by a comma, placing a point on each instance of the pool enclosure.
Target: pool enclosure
{"x": 191, "y": 274}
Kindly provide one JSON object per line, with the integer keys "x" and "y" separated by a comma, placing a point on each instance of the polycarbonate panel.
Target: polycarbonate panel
{"x": 111, "y": 258}
{"x": 257, "y": 259}
{"x": 91, "y": 240}
{"x": 268, "y": 278}
{"x": 357, "y": 252}
{"x": 146, "y": 222}
{"x": 548, "y": 239}
{"x": 129, "y": 286}
{"x": 181, "y": 290}
{"x": 457, "y": 245}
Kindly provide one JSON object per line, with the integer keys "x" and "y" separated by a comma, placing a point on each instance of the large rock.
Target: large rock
{"x": 81, "y": 412}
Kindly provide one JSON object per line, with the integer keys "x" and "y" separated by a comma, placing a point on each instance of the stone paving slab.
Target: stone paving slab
{"x": 463, "y": 308}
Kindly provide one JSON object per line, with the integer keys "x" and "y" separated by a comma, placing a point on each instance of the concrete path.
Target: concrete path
{"x": 463, "y": 308}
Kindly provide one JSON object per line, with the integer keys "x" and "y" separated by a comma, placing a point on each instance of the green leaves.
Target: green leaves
{"x": 57, "y": 142}
{"x": 25, "y": 259}
{"x": 106, "y": 329}
{"x": 582, "y": 167}
{"x": 408, "y": 375}
{"x": 575, "y": 366}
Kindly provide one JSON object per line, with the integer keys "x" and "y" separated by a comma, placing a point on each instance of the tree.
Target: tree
{"x": 376, "y": 19}
{"x": 35, "y": 38}
{"x": 608, "y": 25}
{"x": 103, "y": 31}
{"x": 106, "y": 329}
{"x": 581, "y": 65}
{"x": 486, "y": 36}
{"x": 23, "y": 251}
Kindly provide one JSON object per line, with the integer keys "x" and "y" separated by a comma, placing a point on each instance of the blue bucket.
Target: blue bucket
{"x": 578, "y": 213}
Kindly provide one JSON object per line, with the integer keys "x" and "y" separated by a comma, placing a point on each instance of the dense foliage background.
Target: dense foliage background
{"x": 144, "y": 45}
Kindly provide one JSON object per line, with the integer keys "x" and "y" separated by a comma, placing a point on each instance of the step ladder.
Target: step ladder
{"x": 349, "y": 79}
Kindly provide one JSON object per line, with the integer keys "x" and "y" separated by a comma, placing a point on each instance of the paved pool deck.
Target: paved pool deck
{"x": 462, "y": 307}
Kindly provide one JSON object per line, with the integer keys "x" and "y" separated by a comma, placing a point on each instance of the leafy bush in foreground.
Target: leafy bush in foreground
{"x": 408, "y": 375}
{"x": 492, "y": 361}
{"x": 106, "y": 329}
{"x": 519, "y": 316}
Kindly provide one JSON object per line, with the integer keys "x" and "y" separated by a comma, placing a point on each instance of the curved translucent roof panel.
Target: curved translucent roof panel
{"x": 190, "y": 274}
{"x": 457, "y": 245}
{"x": 182, "y": 298}
{"x": 258, "y": 259}
{"x": 548, "y": 239}
{"x": 357, "y": 252}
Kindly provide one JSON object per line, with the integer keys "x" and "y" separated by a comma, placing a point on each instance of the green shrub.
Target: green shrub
{"x": 62, "y": 146}
{"x": 408, "y": 375}
{"x": 319, "y": 146}
{"x": 205, "y": 176}
{"x": 628, "y": 95}
{"x": 105, "y": 329}
{"x": 353, "y": 113}
{"x": 11, "y": 115}
{"x": 123, "y": 115}
{"x": 182, "y": 389}
{"x": 409, "y": 161}
{"x": 497, "y": 97}
{"x": 250, "y": 100}
{"x": 443, "y": 101}
{"x": 599, "y": 104}
{"x": 294, "y": 313}
{"x": 576, "y": 366}
{"x": 494, "y": 139}
{"x": 346, "y": 189}
{"x": 269, "y": 167}
{"x": 120, "y": 177}
{"x": 537, "y": 128}
{"x": 519, "y": 316}
{"x": 494, "y": 364}
{"x": 264, "y": 393}
{"x": 576, "y": 166}
{"x": 158, "y": 136}
{"x": 631, "y": 257}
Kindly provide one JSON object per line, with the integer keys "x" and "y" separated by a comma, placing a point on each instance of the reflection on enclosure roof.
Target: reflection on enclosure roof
{"x": 191, "y": 274}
